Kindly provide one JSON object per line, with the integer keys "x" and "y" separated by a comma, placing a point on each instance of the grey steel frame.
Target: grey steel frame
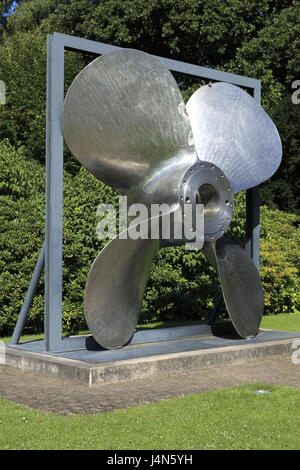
{"x": 51, "y": 254}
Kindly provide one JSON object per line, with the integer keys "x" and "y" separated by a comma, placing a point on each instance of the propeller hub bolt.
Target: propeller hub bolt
{"x": 206, "y": 187}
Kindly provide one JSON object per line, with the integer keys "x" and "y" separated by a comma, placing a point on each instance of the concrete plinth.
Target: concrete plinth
{"x": 162, "y": 357}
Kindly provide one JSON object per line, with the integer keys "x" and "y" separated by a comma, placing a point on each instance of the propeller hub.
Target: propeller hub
{"x": 204, "y": 183}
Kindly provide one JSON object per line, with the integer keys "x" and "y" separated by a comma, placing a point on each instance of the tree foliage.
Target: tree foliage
{"x": 258, "y": 39}
{"x": 182, "y": 285}
{"x": 5, "y": 8}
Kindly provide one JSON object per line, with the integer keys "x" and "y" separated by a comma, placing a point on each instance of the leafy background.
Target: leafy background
{"x": 258, "y": 39}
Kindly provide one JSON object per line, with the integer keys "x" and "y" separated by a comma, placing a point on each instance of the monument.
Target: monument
{"x": 124, "y": 119}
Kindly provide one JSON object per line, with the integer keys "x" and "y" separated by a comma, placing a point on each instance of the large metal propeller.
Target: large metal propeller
{"x": 125, "y": 120}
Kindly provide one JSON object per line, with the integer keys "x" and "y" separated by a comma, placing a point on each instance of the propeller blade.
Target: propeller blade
{"x": 235, "y": 133}
{"x": 124, "y": 115}
{"x": 116, "y": 284}
{"x": 241, "y": 285}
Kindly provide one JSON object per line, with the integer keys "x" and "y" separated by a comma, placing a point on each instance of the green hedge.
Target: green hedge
{"x": 182, "y": 286}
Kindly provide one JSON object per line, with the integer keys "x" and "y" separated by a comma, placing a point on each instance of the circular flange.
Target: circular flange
{"x": 206, "y": 187}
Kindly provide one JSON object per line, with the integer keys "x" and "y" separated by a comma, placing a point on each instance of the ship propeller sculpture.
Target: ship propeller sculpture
{"x": 124, "y": 119}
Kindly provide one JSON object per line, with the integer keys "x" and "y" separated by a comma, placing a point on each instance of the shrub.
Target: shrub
{"x": 22, "y": 206}
{"x": 21, "y": 232}
{"x": 280, "y": 237}
{"x": 182, "y": 285}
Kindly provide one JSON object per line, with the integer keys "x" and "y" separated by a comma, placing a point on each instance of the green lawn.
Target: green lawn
{"x": 234, "y": 418}
{"x": 282, "y": 322}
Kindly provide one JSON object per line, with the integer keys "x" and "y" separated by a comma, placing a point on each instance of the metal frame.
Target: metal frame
{"x": 51, "y": 254}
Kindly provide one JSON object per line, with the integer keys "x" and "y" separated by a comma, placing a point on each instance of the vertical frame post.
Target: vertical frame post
{"x": 253, "y": 209}
{"x": 54, "y": 194}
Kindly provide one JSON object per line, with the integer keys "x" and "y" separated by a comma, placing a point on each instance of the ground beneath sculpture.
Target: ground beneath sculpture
{"x": 64, "y": 397}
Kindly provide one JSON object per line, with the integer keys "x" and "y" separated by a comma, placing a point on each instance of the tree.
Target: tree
{"x": 5, "y": 8}
{"x": 274, "y": 57}
{"x": 258, "y": 39}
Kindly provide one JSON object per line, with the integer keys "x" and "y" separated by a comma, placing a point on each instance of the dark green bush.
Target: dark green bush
{"x": 280, "y": 247}
{"x": 182, "y": 286}
{"x": 21, "y": 233}
{"x": 255, "y": 39}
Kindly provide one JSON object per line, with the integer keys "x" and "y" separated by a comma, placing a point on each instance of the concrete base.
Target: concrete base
{"x": 144, "y": 360}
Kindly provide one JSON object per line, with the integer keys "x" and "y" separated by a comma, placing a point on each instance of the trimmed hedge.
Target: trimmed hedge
{"x": 182, "y": 285}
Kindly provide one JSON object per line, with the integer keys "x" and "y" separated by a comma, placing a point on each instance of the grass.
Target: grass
{"x": 281, "y": 322}
{"x": 233, "y": 418}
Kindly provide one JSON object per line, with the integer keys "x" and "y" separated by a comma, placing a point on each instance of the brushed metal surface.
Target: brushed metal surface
{"x": 241, "y": 285}
{"x": 123, "y": 115}
{"x": 124, "y": 119}
{"x": 204, "y": 183}
{"x": 115, "y": 287}
{"x": 231, "y": 130}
